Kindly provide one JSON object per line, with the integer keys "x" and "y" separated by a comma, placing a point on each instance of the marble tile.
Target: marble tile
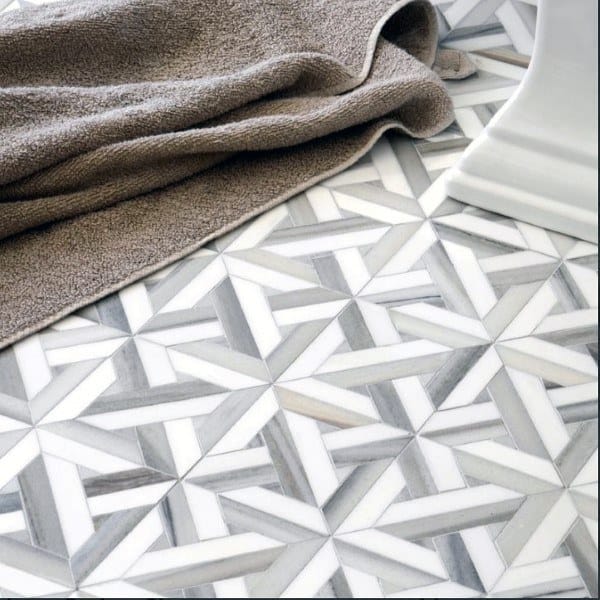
{"x": 371, "y": 390}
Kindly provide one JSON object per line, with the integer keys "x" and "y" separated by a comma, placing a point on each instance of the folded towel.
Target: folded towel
{"x": 133, "y": 131}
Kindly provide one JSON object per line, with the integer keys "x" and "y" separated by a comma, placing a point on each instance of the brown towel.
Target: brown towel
{"x": 133, "y": 131}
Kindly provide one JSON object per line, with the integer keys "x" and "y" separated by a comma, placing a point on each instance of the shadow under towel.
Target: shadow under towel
{"x": 134, "y": 131}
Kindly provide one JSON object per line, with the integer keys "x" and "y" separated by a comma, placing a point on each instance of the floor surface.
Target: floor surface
{"x": 371, "y": 390}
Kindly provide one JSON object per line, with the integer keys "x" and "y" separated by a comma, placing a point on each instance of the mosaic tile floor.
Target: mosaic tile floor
{"x": 370, "y": 391}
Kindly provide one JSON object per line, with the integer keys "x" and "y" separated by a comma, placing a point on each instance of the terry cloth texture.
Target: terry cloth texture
{"x": 134, "y": 131}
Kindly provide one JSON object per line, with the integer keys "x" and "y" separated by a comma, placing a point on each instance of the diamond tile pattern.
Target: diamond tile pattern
{"x": 371, "y": 390}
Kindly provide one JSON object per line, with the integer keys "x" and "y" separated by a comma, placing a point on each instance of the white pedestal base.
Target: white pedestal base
{"x": 537, "y": 160}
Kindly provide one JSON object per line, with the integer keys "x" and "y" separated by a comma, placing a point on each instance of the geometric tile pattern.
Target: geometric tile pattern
{"x": 506, "y": 26}
{"x": 371, "y": 390}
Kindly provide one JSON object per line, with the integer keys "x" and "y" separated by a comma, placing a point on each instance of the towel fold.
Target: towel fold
{"x": 133, "y": 131}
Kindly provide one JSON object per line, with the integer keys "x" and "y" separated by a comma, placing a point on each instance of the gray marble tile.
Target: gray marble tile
{"x": 371, "y": 391}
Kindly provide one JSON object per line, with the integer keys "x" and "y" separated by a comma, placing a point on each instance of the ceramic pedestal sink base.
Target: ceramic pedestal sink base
{"x": 538, "y": 158}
